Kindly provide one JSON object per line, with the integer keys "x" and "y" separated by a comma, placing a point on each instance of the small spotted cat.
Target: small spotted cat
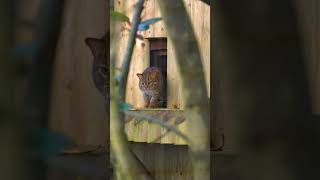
{"x": 100, "y": 76}
{"x": 100, "y": 68}
{"x": 151, "y": 84}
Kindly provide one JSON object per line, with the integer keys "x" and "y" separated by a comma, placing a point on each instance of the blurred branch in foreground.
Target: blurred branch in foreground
{"x": 39, "y": 81}
{"x": 127, "y": 165}
{"x": 12, "y": 159}
{"x": 161, "y": 122}
{"x": 259, "y": 54}
{"x": 196, "y": 101}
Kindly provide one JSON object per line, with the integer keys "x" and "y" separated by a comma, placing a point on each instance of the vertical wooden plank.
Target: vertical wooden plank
{"x": 139, "y": 62}
{"x": 136, "y": 131}
{"x": 144, "y": 131}
{"x": 146, "y": 154}
{"x": 140, "y": 57}
{"x": 159, "y": 27}
{"x": 160, "y": 168}
{"x": 169, "y": 137}
{"x": 172, "y": 163}
{"x": 129, "y": 7}
{"x": 165, "y": 162}
{"x": 166, "y": 136}
{"x": 205, "y": 44}
{"x": 173, "y": 80}
{"x": 200, "y": 16}
{"x": 148, "y": 13}
{"x": 183, "y": 128}
{"x": 77, "y": 108}
{"x": 154, "y": 132}
{"x": 119, "y": 5}
{"x": 129, "y": 129}
{"x": 148, "y": 132}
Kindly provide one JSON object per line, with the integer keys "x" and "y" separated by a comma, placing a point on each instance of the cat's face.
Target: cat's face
{"x": 150, "y": 79}
{"x": 100, "y": 70}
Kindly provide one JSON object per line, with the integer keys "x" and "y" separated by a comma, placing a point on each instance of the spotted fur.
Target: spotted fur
{"x": 151, "y": 85}
{"x": 100, "y": 67}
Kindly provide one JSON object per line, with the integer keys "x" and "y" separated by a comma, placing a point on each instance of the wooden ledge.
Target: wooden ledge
{"x": 155, "y": 109}
{"x": 139, "y": 130}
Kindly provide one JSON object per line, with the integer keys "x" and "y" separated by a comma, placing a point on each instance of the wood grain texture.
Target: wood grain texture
{"x": 148, "y": 13}
{"x": 77, "y": 108}
{"x": 140, "y": 130}
{"x": 200, "y": 15}
{"x": 174, "y": 83}
{"x": 165, "y": 162}
{"x": 177, "y": 165}
{"x": 159, "y": 28}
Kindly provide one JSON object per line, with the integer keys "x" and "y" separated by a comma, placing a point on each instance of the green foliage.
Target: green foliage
{"x": 145, "y": 25}
{"x": 44, "y": 143}
{"x": 119, "y": 16}
{"x": 26, "y": 50}
{"x": 125, "y": 107}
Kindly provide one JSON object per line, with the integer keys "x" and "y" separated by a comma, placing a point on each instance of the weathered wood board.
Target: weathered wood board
{"x": 77, "y": 108}
{"x": 200, "y": 17}
{"x": 142, "y": 130}
{"x": 165, "y": 161}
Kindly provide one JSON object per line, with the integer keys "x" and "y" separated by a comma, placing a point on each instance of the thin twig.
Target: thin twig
{"x": 157, "y": 121}
{"x": 128, "y": 54}
{"x": 184, "y": 42}
{"x": 128, "y": 165}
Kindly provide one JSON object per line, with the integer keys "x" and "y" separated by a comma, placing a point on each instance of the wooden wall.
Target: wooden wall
{"x": 200, "y": 17}
{"x": 77, "y": 108}
{"x": 165, "y": 162}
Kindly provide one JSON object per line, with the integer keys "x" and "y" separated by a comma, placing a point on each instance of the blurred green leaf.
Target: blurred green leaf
{"x": 26, "y": 50}
{"x": 45, "y": 143}
{"x": 145, "y": 25}
{"x": 117, "y": 78}
{"x": 125, "y": 106}
{"x": 119, "y": 16}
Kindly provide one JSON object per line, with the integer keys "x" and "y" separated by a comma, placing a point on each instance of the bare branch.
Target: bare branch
{"x": 128, "y": 54}
{"x": 128, "y": 165}
{"x": 197, "y": 103}
{"x": 158, "y": 121}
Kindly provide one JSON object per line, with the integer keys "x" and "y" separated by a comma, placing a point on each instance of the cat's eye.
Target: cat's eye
{"x": 103, "y": 72}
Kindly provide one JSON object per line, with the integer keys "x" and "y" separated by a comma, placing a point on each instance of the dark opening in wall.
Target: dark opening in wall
{"x": 158, "y": 58}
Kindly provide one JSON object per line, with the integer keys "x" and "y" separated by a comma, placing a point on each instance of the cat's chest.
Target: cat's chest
{"x": 151, "y": 92}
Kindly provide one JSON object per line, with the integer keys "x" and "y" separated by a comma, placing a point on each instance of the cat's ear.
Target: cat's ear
{"x": 139, "y": 75}
{"x": 96, "y": 45}
{"x": 154, "y": 74}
